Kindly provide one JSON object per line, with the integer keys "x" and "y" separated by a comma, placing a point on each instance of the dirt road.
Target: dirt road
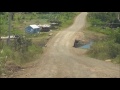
{"x": 62, "y": 60}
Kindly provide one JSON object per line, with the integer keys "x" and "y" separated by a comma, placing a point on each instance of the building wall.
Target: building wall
{"x": 45, "y": 29}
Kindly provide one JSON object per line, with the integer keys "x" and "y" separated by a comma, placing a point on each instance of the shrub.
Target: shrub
{"x": 117, "y": 59}
{"x": 105, "y": 50}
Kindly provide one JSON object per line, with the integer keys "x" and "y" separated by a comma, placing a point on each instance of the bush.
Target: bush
{"x": 117, "y": 59}
{"x": 105, "y": 50}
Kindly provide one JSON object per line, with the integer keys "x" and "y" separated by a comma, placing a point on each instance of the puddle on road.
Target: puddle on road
{"x": 84, "y": 45}
{"x": 87, "y": 46}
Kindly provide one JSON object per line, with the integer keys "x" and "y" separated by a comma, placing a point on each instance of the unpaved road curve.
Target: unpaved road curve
{"x": 62, "y": 60}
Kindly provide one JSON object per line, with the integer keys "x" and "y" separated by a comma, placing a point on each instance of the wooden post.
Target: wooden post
{"x": 118, "y": 17}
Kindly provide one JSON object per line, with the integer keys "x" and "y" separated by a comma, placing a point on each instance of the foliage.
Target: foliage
{"x": 22, "y": 19}
{"x": 108, "y": 48}
{"x": 105, "y": 50}
{"x": 104, "y": 19}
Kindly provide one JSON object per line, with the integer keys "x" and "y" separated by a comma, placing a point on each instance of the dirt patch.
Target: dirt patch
{"x": 12, "y": 67}
{"x": 9, "y": 68}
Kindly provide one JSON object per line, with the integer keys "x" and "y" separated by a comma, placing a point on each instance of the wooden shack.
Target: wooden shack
{"x": 45, "y": 28}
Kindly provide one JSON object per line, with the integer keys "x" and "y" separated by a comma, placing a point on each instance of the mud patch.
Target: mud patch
{"x": 12, "y": 67}
{"x": 80, "y": 40}
{"x": 82, "y": 43}
{"x": 87, "y": 46}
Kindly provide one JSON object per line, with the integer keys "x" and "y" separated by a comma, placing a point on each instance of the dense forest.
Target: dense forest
{"x": 107, "y": 23}
{"x": 27, "y": 47}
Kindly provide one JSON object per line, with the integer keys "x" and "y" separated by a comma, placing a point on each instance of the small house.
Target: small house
{"x": 32, "y": 29}
{"x": 45, "y": 28}
{"x": 54, "y": 25}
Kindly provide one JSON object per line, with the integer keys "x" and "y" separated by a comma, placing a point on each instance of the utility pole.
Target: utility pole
{"x": 0, "y": 26}
{"x": 9, "y": 26}
{"x": 0, "y": 29}
{"x": 118, "y": 17}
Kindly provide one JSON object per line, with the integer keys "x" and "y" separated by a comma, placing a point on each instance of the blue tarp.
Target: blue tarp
{"x": 31, "y": 30}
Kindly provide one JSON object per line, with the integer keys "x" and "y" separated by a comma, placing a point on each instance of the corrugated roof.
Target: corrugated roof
{"x": 34, "y": 26}
{"x": 45, "y": 25}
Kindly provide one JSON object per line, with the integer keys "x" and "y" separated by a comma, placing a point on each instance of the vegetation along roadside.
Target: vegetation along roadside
{"x": 105, "y": 29}
{"x": 15, "y": 53}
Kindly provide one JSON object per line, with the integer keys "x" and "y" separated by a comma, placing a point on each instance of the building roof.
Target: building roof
{"x": 11, "y": 37}
{"x": 45, "y": 25}
{"x": 34, "y": 26}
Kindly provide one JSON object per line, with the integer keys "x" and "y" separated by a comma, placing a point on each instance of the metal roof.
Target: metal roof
{"x": 45, "y": 25}
{"x": 34, "y": 26}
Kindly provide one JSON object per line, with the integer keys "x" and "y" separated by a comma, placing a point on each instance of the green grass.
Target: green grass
{"x": 104, "y": 46}
{"x": 117, "y": 59}
{"x": 107, "y": 39}
{"x": 105, "y": 50}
